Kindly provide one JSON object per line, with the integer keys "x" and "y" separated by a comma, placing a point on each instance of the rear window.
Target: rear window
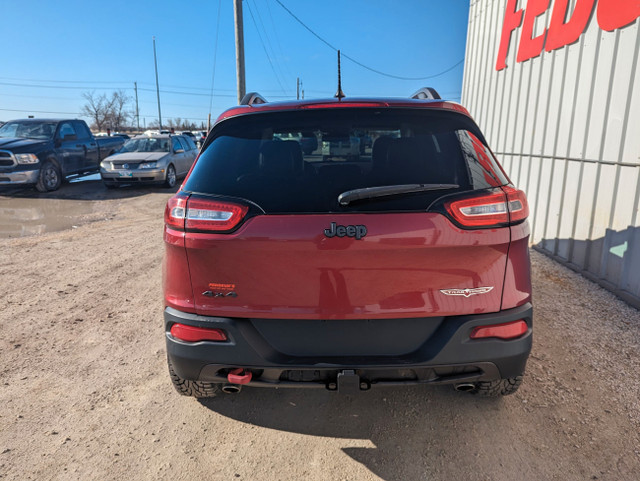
{"x": 299, "y": 162}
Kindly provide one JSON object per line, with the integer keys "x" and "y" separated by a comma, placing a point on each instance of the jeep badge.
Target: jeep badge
{"x": 357, "y": 231}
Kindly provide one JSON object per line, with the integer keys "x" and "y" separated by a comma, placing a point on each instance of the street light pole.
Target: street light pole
{"x": 155, "y": 60}
{"x": 237, "y": 10}
{"x": 135, "y": 85}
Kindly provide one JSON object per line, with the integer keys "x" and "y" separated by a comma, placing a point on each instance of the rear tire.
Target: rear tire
{"x": 195, "y": 389}
{"x": 497, "y": 388}
{"x": 50, "y": 177}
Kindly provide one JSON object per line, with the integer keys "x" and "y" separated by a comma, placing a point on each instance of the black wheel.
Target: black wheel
{"x": 192, "y": 388}
{"x": 170, "y": 179}
{"x": 499, "y": 387}
{"x": 110, "y": 185}
{"x": 50, "y": 177}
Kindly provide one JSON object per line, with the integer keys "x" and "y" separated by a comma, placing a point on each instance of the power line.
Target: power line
{"x": 265, "y": 49}
{"x": 67, "y": 81}
{"x": 215, "y": 58}
{"x": 41, "y": 112}
{"x": 269, "y": 44}
{"x": 275, "y": 32}
{"x": 56, "y": 86}
{"x": 360, "y": 63}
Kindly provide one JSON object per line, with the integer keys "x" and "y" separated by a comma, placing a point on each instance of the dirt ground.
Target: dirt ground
{"x": 85, "y": 394}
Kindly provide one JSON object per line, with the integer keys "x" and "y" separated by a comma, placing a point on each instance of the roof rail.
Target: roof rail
{"x": 253, "y": 98}
{"x": 426, "y": 93}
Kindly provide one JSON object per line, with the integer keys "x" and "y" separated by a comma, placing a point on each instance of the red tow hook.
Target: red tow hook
{"x": 239, "y": 376}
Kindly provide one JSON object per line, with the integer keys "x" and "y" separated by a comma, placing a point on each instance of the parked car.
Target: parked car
{"x": 405, "y": 263}
{"x": 200, "y": 137}
{"x": 153, "y": 158}
{"x": 43, "y": 152}
{"x": 189, "y": 134}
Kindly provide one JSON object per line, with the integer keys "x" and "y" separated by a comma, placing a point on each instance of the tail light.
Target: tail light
{"x": 508, "y": 330}
{"x": 195, "y": 213}
{"x": 196, "y": 334}
{"x": 174, "y": 212}
{"x": 518, "y": 206}
{"x": 497, "y": 208}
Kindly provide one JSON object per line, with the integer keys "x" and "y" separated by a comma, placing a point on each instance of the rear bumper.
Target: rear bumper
{"x": 20, "y": 177}
{"x": 445, "y": 355}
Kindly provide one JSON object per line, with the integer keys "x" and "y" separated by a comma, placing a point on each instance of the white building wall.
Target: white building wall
{"x": 566, "y": 127}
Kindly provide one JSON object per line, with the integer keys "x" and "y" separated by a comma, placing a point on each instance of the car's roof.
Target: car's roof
{"x": 153, "y": 136}
{"x": 342, "y": 103}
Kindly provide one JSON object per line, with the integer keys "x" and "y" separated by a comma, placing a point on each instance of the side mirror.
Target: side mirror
{"x": 178, "y": 151}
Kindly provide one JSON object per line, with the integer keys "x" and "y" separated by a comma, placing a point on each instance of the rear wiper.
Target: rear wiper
{"x": 372, "y": 192}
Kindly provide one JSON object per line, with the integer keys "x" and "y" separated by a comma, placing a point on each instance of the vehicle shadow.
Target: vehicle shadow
{"x": 416, "y": 430}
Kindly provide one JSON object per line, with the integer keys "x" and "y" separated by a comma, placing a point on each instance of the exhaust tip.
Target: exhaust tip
{"x": 231, "y": 388}
{"x": 465, "y": 387}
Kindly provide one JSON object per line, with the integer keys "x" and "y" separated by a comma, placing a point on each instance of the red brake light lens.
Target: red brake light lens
{"x": 196, "y": 334}
{"x": 499, "y": 207}
{"x": 518, "y": 205}
{"x": 174, "y": 212}
{"x": 184, "y": 212}
{"x": 216, "y": 216}
{"x": 333, "y": 105}
{"x": 484, "y": 211}
{"x": 508, "y": 330}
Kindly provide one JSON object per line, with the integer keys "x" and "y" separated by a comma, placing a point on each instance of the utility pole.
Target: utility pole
{"x": 237, "y": 11}
{"x": 297, "y": 88}
{"x": 155, "y": 60}
{"x": 135, "y": 86}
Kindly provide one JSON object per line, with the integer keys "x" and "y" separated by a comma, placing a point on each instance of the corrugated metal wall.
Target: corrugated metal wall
{"x": 566, "y": 127}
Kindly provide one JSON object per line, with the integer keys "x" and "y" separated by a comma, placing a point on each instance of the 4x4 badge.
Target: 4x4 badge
{"x": 466, "y": 292}
{"x": 357, "y": 231}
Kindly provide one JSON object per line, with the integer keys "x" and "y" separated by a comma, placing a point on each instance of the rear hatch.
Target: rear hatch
{"x": 371, "y": 232}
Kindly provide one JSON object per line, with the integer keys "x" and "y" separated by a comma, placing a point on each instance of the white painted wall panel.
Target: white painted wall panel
{"x": 566, "y": 127}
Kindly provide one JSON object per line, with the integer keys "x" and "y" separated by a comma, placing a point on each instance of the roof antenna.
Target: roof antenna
{"x": 339, "y": 94}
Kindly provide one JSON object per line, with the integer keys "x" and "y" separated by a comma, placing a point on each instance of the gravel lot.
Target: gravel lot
{"x": 85, "y": 392}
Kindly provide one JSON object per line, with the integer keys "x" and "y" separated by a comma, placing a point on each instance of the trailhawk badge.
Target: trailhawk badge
{"x": 466, "y": 292}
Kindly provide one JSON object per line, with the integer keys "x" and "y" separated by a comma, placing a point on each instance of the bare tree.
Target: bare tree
{"x": 96, "y": 108}
{"x": 105, "y": 111}
{"x": 118, "y": 113}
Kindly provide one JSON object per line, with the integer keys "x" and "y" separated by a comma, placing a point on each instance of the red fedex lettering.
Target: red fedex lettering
{"x": 531, "y": 47}
{"x": 560, "y": 33}
{"x": 614, "y": 14}
{"x": 512, "y": 20}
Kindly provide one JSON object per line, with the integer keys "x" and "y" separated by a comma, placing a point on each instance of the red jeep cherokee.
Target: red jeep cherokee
{"x": 347, "y": 244}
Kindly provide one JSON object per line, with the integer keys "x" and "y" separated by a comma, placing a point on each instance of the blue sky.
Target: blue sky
{"x": 53, "y": 51}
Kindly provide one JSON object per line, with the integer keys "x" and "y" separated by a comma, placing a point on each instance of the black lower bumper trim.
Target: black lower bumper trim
{"x": 448, "y": 355}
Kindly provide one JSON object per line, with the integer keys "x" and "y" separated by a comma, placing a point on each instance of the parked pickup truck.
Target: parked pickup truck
{"x": 44, "y": 152}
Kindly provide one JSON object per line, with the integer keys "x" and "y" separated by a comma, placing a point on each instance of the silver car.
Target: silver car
{"x": 150, "y": 158}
